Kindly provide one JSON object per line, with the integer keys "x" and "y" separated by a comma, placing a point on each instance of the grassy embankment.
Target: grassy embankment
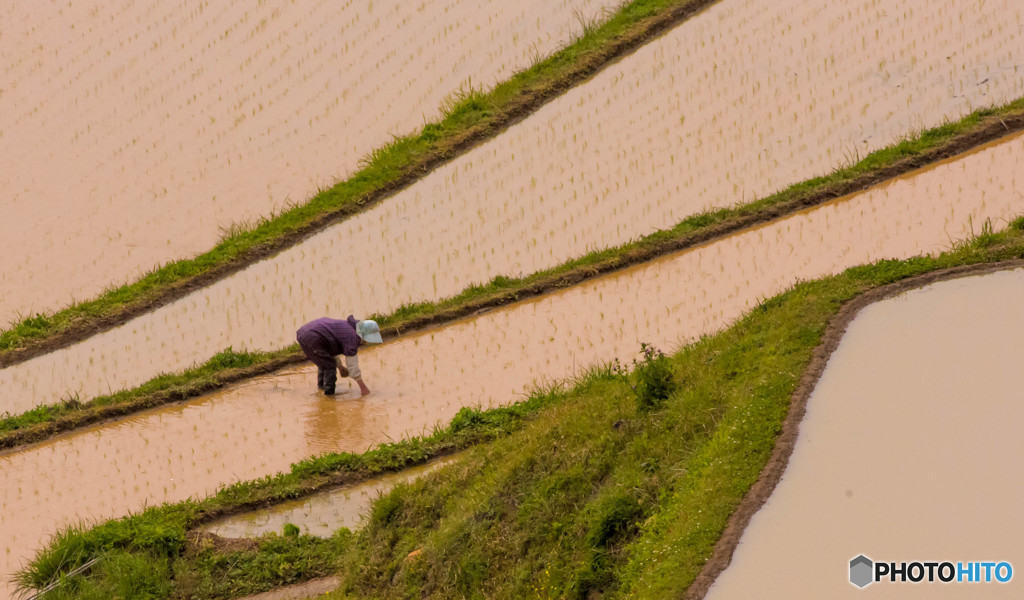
{"x": 228, "y": 366}
{"x": 578, "y": 493}
{"x": 469, "y": 117}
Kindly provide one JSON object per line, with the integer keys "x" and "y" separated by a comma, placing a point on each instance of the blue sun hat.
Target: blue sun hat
{"x": 369, "y": 331}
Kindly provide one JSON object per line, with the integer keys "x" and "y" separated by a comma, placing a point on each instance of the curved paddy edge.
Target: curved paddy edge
{"x": 770, "y": 476}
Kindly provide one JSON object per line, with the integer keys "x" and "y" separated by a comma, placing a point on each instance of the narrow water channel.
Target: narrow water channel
{"x": 324, "y": 513}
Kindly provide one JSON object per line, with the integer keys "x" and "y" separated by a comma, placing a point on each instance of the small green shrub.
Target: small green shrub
{"x": 654, "y": 380}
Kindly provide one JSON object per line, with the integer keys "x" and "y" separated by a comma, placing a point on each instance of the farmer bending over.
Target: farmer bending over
{"x": 325, "y": 340}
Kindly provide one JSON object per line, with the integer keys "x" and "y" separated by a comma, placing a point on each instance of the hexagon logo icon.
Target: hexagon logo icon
{"x": 861, "y": 571}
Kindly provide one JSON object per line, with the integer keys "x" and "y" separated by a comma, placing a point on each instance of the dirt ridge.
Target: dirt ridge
{"x": 772, "y": 473}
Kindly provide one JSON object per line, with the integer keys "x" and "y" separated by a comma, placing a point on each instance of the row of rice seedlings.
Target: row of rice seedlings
{"x": 167, "y": 122}
{"x": 261, "y": 427}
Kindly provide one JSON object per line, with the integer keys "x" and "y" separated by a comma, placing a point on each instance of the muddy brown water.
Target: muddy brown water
{"x": 259, "y": 428}
{"x": 133, "y": 132}
{"x": 324, "y": 513}
{"x": 262, "y": 307}
{"x": 687, "y": 122}
{"x": 909, "y": 451}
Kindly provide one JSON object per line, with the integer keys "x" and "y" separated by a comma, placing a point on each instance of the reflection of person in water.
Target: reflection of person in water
{"x": 325, "y": 341}
{"x": 338, "y": 427}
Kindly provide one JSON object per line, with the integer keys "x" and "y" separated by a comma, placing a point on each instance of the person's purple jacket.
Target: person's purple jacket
{"x": 324, "y": 339}
{"x": 330, "y": 337}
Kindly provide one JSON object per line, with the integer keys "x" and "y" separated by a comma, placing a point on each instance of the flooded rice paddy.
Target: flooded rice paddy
{"x": 909, "y": 451}
{"x": 285, "y": 104}
{"x": 686, "y": 122}
{"x": 132, "y": 132}
{"x": 262, "y": 306}
{"x": 323, "y": 514}
{"x": 418, "y": 381}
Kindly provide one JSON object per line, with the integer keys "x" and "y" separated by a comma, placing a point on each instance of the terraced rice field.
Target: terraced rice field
{"x": 261, "y": 427}
{"x": 909, "y": 450}
{"x": 133, "y": 132}
{"x": 687, "y": 122}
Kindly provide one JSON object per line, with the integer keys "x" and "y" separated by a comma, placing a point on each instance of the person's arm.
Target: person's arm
{"x": 352, "y": 362}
